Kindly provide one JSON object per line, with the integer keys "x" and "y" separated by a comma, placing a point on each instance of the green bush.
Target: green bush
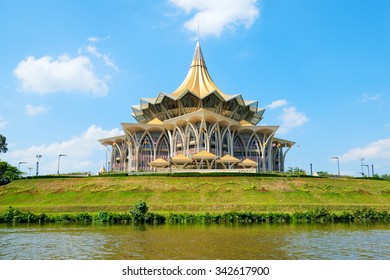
{"x": 112, "y": 218}
{"x": 365, "y": 215}
{"x": 83, "y": 218}
{"x": 138, "y": 213}
{"x": 13, "y": 215}
{"x": 279, "y": 218}
{"x": 64, "y": 218}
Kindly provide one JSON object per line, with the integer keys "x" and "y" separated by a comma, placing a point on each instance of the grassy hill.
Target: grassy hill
{"x": 165, "y": 194}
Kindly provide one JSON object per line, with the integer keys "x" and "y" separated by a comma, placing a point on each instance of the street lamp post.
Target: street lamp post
{"x": 20, "y": 162}
{"x": 59, "y": 159}
{"x": 362, "y": 159}
{"x": 338, "y": 165}
{"x": 38, "y": 157}
{"x": 368, "y": 170}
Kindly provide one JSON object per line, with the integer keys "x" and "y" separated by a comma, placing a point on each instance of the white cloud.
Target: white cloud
{"x": 291, "y": 119}
{"x": 217, "y": 16}
{"x": 378, "y": 150}
{"x": 35, "y": 110}
{"x": 93, "y": 50}
{"x": 3, "y": 122}
{"x": 277, "y": 103}
{"x": 94, "y": 39}
{"x": 84, "y": 153}
{"x": 45, "y": 75}
{"x": 364, "y": 98}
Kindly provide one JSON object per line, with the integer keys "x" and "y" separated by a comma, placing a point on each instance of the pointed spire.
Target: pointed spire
{"x": 198, "y": 80}
{"x": 198, "y": 56}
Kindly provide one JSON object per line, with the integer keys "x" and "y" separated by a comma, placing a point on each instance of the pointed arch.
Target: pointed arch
{"x": 145, "y": 153}
{"x": 239, "y": 147}
{"x": 214, "y": 139}
{"x": 163, "y": 147}
{"x": 192, "y": 138}
{"x": 179, "y": 141}
{"x": 226, "y": 141}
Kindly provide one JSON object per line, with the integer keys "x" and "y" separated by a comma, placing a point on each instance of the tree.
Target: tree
{"x": 386, "y": 177}
{"x": 3, "y": 144}
{"x": 323, "y": 173}
{"x": 8, "y": 173}
{"x": 295, "y": 170}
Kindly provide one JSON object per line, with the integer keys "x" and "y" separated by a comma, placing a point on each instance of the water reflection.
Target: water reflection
{"x": 195, "y": 242}
{"x": 341, "y": 243}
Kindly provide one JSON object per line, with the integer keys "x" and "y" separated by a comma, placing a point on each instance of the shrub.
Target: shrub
{"x": 365, "y": 215}
{"x": 13, "y": 215}
{"x": 138, "y": 213}
{"x": 64, "y": 218}
{"x": 154, "y": 218}
{"x": 280, "y": 218}
{"x": 83, "y": 218}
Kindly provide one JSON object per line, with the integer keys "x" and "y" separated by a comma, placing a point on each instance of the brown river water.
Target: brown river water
{"x": 195, "y": 242}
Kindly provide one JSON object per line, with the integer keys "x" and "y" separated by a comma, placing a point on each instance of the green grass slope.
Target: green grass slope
{"x": 194, "y": 194}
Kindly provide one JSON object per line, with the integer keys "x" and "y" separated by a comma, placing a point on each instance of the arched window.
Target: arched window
{"x": 163, "y": 148}
{"x": 226, "y": 143}
{"x": 192, "y": 145}
{"x": 145, "y": 153}
{"x": 238, "y": 147}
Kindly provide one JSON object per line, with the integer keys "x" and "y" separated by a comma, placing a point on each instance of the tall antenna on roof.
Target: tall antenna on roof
{"x": 198, "y": 29}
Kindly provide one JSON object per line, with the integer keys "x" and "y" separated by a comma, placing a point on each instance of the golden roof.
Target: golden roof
{"x": 204, "y": 155}
{"x": 197, "y": 91}
{"x": 155, "y": 121}
{"x": 181, "y": 159}
{"x": 229, "y": 159}
{"x": 159, "y": 162}
{"x": 245, "y": 123}
{"x": 198, "y": 80}
{"x": 248, "y": 162}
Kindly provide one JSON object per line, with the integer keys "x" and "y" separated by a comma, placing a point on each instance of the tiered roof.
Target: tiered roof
{"x": 197, "y": 91}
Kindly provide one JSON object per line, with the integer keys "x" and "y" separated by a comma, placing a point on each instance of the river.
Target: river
{"x": 195, "y": 242}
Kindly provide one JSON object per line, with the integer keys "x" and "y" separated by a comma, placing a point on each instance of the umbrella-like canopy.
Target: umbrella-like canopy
{"x": 159, "y": 162}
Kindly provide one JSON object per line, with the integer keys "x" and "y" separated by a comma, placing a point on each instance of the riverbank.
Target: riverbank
{"x": 320, "y": 215}
{"x": 166, "y": 194}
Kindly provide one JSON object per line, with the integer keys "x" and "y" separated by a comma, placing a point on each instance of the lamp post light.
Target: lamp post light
{"x": 20, "y": 162}
{"x": 368, "y": 169}
{"x": 38, "y": 157}
{"x": 59, "y": 160}
{"x": 338, "y": 164}
{"x": 362, "y": 159}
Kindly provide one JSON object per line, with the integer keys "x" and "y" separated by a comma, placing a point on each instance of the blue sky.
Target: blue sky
{"x": 70, "y": 70}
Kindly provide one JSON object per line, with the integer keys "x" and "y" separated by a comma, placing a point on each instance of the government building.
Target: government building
{"x": 199, "y": 128}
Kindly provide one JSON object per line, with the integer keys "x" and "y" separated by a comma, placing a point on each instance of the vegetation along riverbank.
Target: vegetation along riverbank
{"x": 140, "y": 214}
{"x": 169, "y": 195}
